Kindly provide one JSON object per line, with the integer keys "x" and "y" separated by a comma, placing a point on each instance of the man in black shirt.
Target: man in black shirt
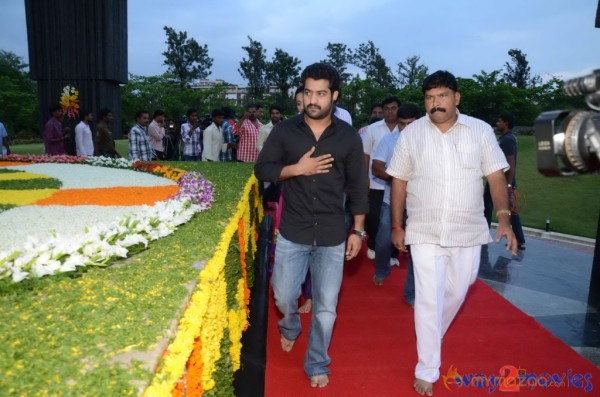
{"x": 317, "y": 157}
{"x": 508, "y": 144}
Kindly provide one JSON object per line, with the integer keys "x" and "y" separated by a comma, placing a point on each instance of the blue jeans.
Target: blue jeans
{"x": 187, "y": 157}
{"x": 383, "y": 243}
{"x": 384, "y": 250}
{"x": 292, "y": 261}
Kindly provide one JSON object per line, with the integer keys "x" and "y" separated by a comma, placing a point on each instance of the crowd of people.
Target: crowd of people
{"x": 215, "y": 138}
{"x": 404, "y": 183}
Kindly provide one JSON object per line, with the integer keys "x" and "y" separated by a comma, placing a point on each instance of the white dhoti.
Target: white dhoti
{"x": 442, "y": 278}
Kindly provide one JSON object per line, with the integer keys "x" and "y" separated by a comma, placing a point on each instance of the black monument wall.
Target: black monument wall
{"x": 82, "y": 43}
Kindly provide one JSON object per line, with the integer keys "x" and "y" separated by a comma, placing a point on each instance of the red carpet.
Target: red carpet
{"x": 373, "y": 347}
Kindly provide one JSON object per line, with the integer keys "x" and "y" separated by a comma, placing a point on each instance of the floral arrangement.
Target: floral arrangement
{"x": 100, "y": 244}
{"x": 76, "y": 331}
{"x": 69, "y": 101}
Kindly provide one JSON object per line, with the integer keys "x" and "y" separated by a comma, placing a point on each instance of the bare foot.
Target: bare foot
{"x": 377, "y": 281}
{"x": 287, "y": 344}
{"x": 423, "y": 387}
{"x": 319, "y": 380}
{"x": 305, "y": 308}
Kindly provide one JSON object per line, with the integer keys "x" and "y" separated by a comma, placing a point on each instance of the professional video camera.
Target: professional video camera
{"x": 576, "y": 140}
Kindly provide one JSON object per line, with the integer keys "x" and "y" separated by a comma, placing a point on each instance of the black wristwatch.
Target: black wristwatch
{"x": 360, "y": 233}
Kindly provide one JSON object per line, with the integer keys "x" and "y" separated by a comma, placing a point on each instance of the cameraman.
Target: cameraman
{"x": 508, "y": 144}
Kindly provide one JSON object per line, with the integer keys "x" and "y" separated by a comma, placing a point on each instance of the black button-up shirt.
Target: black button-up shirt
{"x": 313, "y": 207}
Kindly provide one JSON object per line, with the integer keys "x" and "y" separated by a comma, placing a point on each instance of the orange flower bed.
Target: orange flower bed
{"x": 9, "y": 163}
{"x": 123, "y": 196}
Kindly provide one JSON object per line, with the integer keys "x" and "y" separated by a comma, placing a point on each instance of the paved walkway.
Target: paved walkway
{"x": 549, "y": 281}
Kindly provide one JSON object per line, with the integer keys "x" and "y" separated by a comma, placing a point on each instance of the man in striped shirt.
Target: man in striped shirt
{"x": 139, "y": 145}
{"x": 247, "y": 128}
{"x": 437, "y": 167}
{"x": 191, "y": 137}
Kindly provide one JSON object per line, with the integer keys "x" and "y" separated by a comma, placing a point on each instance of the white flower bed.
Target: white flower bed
{"x": 54, "y": 219}
{"x": 81, "y": 176}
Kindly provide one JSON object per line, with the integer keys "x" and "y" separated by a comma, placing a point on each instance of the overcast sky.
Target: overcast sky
{"x": 462, "y": 36}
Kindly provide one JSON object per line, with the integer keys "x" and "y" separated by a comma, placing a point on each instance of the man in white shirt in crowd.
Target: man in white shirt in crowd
{"x": 376, "y": 115}
{"x": 84, "y": 142}
{"x": 275, "y": 114}
{"x": 156, "y": 133}
{"x": 213, "y": 137}
{"x": 371, "y": 138}
{"x": 437, "y": 168}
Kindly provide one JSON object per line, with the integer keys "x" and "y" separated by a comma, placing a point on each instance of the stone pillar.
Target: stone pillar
{"x": 81, "y": 43}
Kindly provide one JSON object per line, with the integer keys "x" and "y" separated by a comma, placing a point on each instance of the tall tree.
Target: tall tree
{"x": 18, "y": 96}
{"x": 186, "y": 59}
{"x": 518, "y": 72}
{"x": 339, "y": 56}
{"x": 254, "y": 69}
{"x": 283, "y": 72}
{"x": 411, "y": 73}
{"x": 368, "y": 58}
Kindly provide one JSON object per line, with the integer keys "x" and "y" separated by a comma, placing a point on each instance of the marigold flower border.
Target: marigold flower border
{"x": 196, "y": 345}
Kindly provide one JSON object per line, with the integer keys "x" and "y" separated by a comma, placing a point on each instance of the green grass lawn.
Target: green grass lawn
{"x": 570, "y": 203}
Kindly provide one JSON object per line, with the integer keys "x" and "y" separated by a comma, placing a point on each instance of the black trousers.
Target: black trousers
{"x": 372, "y": 221}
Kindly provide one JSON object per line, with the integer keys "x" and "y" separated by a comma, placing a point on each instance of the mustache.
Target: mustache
{"x": 437, "y": 109}
{"x": 309, "y": 106}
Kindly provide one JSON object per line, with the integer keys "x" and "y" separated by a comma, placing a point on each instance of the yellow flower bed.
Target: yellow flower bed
{"x": 13, "y": 176}
{"x": 204, "y": 321}
{"x": 25, "y": 197}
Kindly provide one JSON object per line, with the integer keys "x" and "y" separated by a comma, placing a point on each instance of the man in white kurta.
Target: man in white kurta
{"x": 438, "y": 167}
{"x": 212, "y": 139}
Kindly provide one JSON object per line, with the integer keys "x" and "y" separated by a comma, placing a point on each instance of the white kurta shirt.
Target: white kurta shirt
{"x": 84, "y": 143}
{"x": 371, "y": 138}
{"x": 212, "y": 142}
{"x": 444, "y": 173}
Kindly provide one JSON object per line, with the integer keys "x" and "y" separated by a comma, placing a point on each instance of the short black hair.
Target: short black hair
{"x": 251, "y": 105}
{"x": 139, "y": 113}
{"x": 299, "y": 90}
{"x": 54, "y": 108}
{"x": 158, "y": 112}
{"x": 275, "y": 107}
{"x": 83, "y": 112}
{"x": 229, "y": 113}
{"x": 103, "y": 113}
{"x": 508, "y": 119}
{"x": 441, "y": 78}
{"x": 376, "y": 105}
{"x": 322, "y": 71}
{"x": 217, "y": 112}
{"x": 389, "y": 100}
{"x": 190, "y": 111}
{"x": 408, "y": 111}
